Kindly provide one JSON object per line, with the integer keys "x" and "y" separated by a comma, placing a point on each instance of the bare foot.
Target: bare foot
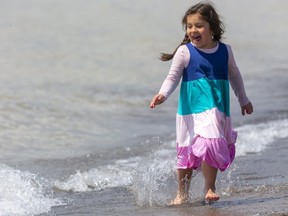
{"x": 179, "y": 200}
{"x": 211, "y": 196}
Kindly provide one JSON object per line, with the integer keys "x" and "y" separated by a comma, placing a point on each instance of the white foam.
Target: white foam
{"x": 24, "y": 193}
{"x": 117, "y": 174}
{"x": 255, "y": 138}
{"x": 153, "y": 178}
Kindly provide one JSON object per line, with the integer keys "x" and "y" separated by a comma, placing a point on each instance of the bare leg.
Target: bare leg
{"x": 184, "y": 179}
{"x": 210, "y": 174}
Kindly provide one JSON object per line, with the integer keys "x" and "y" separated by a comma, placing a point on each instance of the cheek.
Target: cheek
{"x": 207, "y": 33}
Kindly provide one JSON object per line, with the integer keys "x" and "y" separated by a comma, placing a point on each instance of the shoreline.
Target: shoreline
{"x": 259, "y": 186}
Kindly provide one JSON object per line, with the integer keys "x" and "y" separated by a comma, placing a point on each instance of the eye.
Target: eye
{"x": 199, "y": 26}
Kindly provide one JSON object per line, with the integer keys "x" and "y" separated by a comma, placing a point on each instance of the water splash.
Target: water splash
{"x": 154, "y": 180}
{"x": 23, "y": 193}
{"x": 153, "y": 177}
{"x": 228, "y": 183}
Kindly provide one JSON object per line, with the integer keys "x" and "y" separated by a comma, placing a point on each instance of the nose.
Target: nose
{"x": 193, "y": 29}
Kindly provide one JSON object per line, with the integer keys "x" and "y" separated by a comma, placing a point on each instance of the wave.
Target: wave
{"x": 24, "y": 193}
{"x": 254, "y": 138}
{"x": 114, "y": 175}
{"x": 152, "y": 177}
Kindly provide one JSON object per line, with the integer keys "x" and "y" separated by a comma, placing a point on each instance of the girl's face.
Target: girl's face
{"x": 199, "y": 32}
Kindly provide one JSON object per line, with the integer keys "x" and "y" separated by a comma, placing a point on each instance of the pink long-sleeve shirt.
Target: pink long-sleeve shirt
{"x": 181, "y": 60}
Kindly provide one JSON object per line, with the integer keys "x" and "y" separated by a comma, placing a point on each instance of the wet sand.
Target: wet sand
{"x": 258, "y": 185}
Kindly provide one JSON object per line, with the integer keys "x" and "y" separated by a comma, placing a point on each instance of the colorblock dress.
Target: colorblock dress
{"x": 203, "y": 122}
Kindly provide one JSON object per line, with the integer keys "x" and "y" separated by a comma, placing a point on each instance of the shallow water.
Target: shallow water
{"x": 76, "y": 134}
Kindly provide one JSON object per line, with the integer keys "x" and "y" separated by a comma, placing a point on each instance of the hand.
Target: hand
{"x": 157, "y": 99}
{"x": 248, "y": 108}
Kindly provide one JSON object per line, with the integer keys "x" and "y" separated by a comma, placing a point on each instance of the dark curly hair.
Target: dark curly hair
{"x": 209, "y": 14}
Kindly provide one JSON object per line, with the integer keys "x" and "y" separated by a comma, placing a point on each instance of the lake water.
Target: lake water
{"x": 76, "y": 81}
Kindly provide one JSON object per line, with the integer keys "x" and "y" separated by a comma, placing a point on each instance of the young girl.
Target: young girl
{"x": 203, "y": 125}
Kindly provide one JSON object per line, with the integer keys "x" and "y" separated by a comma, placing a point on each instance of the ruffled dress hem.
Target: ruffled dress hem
{"x": 216, "y": 152}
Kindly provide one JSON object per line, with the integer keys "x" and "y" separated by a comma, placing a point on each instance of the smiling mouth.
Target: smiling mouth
{"x": 196, "y": 38}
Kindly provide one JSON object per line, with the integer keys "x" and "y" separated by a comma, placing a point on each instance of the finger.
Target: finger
{"x": 153, "y": 102}
{"x": 243, "y": 111}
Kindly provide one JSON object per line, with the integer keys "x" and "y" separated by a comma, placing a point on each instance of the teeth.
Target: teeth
{"x": 196, "y": 38}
